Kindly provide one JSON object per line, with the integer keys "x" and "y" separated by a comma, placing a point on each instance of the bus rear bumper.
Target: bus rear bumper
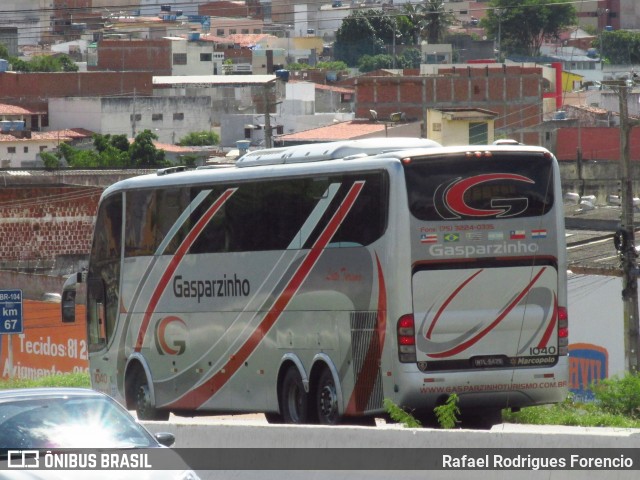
{"x": 514, "y": 388}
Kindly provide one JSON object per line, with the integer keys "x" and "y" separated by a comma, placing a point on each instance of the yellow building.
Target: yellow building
{"x": 460, "y": 126}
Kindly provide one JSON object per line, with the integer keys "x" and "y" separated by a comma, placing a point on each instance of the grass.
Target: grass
{"x": 616, "y": 404}
{"x": 571, "y": 414}
{"x": 62, "y": 380}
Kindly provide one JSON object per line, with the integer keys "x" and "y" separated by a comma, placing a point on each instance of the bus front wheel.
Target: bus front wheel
{"x": 293, "y": 398}
{"x": 145, "y": 410}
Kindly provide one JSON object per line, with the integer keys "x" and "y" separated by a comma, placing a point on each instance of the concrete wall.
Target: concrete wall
{"x": 596, "y": 178}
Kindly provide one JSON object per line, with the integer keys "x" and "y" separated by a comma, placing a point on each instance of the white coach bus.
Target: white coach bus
{"x": 313, "y": 282}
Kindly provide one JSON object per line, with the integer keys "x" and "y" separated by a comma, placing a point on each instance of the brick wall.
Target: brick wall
{"x": 41, "y": 223}
{"x": 135, "y": 55}
{"x": 32, "y": 90}
{"x": 515, "y": 93}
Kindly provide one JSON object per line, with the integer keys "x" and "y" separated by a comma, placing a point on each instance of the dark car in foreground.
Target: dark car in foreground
{"x": 75, "y": 419}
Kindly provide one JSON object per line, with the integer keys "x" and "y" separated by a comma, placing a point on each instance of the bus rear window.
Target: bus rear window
{"x": 458, "y": 188}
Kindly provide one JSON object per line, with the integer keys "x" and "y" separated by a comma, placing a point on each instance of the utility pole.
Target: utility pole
{"x": 268, "y": 138}
{"x": 133, "y": 117}
{"x": 269, "y": 92}
{"x": 625, "y": 237}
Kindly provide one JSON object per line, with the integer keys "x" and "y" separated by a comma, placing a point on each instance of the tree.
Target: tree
{"x": 523, "y": 25}
{"x": 370, "y": 63}
{"x": 357, "y": 37}
{"x": 410, "y": 58}
{"x": 44, "y": 63}
{"x": 144, "y": 153}
{"x": 430, "y": 20}
{"x": 50, "y": 160}
{"x": 199, "y": 139}
{"x": 437, "y": 19}
{"x": 620, "y": 47}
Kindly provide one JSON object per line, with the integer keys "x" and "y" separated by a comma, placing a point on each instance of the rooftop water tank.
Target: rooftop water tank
{"x": 4, "y": 65}
{"x": 283, "y": 75}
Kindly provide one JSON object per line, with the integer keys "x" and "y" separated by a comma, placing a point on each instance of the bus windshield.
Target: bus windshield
{"x": 505, "y": 185}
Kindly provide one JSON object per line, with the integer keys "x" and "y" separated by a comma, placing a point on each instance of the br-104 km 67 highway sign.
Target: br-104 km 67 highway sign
{"x": 10, "y": 311}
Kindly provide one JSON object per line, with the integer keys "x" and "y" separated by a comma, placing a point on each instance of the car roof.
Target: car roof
{"x": 47, "y": 392}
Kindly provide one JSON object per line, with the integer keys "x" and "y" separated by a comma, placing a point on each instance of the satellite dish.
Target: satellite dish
{"x": 484, "y": 37}
{"x": 374, "y": 115}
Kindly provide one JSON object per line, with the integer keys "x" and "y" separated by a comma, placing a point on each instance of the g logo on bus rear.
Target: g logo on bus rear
{"x": 171, "y": 336}
{"x": 450, "y": 203}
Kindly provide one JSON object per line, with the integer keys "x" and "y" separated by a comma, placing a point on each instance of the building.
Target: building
{"x": 29, "y": 17}
{"x": 14, "y": 117}
{"x": 460, "y": 126}
{"x": 514, "y": 92}
{"x": 21, "y": 148}
{"x": 9, "y": 38}
{"x": 170, "y": 118}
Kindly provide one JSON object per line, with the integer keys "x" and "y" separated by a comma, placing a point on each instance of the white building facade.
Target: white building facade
{"x": 170, "y": 118}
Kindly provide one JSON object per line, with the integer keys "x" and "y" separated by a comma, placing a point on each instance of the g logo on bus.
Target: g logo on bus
{"x": 171, "y": 336}
{"x": 450, "y": 203}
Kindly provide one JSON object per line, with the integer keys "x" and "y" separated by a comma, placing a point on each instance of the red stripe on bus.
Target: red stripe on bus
{"x": 463, "y": 346}
{"x": 203, "y": 392}
{"x": 448, "y": 301}
{"x": 551, "y": 326}
{"x": 175, "y": 261}
{"x": 367, "y": 376}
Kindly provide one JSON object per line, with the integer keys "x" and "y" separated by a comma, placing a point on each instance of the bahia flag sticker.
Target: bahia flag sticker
{"x": 540, "y": 233}
{"x": 429, "y": 238}
{"x": 516, "y": 235}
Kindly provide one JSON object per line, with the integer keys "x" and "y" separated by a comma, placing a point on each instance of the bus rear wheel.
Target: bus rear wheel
{"x": 145, "y": 410}
{"x": 326, "y": 400}
{"x": 293, "y": 398}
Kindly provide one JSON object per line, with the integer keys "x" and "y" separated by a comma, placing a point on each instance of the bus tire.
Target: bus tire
{"x": 326, "y": 399}
{"x": 294, "y": 400}
{"x": 274, "y": 418}
{"x": 145, "y": 410}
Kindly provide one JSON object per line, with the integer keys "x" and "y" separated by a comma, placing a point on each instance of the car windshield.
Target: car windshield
{"x": 69, "y": 422}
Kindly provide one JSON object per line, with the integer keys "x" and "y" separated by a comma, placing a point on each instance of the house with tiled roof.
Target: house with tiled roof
{"x": 31, "y": 119}
{"x": 21, "y": 148}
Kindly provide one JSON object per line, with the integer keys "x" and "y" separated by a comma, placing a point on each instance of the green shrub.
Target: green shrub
{"x": 619, "y": 396}
{"x": 399, "y": 415}
{"x": 447, "y": 414}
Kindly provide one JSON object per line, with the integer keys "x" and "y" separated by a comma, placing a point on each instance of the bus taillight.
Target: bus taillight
{"x": 406, "y": 339}
{"x": 563, "y": 330}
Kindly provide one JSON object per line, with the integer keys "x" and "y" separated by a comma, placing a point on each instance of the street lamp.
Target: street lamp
{"x": 602, "y": 12}
{"x": 498, "y": 12}
{"x": 395, "y": 24}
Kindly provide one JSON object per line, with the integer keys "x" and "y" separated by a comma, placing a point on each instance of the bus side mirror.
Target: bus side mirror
{"x": 69, "y": 306}
{"x": 68, "y": 300}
